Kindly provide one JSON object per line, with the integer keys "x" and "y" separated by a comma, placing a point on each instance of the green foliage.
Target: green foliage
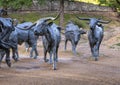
{"x": 35, "y": 16}
{"x": 112, "y": 3}
{"x": 89, "y": 1}
{"x": 84, "y": 24}
{"x": 16, "y": 4}
{"x": 26, "y": 16}
{"x": 71, "y": 17}
{"x": 118, "y": 44}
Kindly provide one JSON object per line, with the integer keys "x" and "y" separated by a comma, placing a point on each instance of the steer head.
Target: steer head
{"x": 6, "y": 26}
{"x": 40, "y": 28}
{"x": 42, "y": 24}
{"x": 93, "y": 21}
{"x": 7, "y": 23}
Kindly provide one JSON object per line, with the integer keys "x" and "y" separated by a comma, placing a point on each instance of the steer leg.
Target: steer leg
{"x": 57, "y": 54}
{"x": 74, "y": 48}
{"x": 27, "y": 47}
{"x": 66, "y": 44}
{"x": 54, "y": 60}
{"x": 50, "y": 60}
{"x": 96, "y": 51}
{"x": 1, "y": 57}
{"x": 45, "y": 57}
{"x": 14, "y": 54}
{"x": 31, "y": 52}
{"x": 36, "y": 53}
{"x": 17, "y": 54}
{"x": 8, "y": 57}
{"x": 92, "y": 48}
{"x": 35, "y": 50}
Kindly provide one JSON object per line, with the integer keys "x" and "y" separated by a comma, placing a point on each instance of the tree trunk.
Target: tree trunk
{"x": 62, "y": 13}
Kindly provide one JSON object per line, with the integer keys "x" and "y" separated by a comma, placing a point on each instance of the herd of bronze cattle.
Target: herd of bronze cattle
{"x": 13, "y": 34}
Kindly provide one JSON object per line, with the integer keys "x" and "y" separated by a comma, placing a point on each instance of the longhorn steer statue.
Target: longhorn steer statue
{"x": 50, "y": 33}
{"x": 95, "y": 34}
{"x": 6, "y": 27}
{"x": 24, "y": 33}
{"x": 73, "y": 34}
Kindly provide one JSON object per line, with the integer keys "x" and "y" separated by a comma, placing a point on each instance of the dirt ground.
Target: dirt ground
{"x": 71, "y": 70}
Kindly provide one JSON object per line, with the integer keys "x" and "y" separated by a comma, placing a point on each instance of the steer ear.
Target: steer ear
{"x": 50, "y": 23}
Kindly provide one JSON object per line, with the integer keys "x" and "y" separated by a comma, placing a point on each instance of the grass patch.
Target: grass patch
{"x": 34, "y": 16}
{"x": 118, "y": 44}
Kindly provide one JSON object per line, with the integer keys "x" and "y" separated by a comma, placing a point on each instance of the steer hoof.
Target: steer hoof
{"x": 31, "y": 56}
{"x": 8, "y": 63}
{"x": 96, "y": 59}
{"x": 54, "y": 68}
{"x": 35, "y": 57}
{"x": 56, "y": 60}
{"x": 50, "y": 62}
{"x": 46, "y": 60}
{"x": 16, "y": 59}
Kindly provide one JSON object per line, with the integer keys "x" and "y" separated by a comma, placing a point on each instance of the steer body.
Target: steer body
{"x": 95, "y": 37}
{"x": 73, "y": 34}
{"x": 50, "y": 33}
{"x": 21, "y": 35}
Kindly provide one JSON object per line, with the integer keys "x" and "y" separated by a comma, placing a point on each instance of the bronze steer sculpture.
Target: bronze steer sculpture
{"x": 6, "y": 27}
{"x": 95, "y": 34}
{"x": 73, "y": 34}
{"x": 24, "y": 33}
{"x": 50, "y": 33}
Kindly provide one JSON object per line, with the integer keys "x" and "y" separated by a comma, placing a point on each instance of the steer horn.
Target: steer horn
{"x": 82, "y": 18}
{"x": 47, "y": 19}
{"x": 31, "y": 26}
{"x": 104, "y": 22}
{"x": 28, "y": 27}
{"x": 52, "y": 18}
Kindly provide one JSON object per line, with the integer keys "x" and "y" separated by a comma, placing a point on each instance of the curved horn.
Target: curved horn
{"x": 47, "y": 19}
{"x": 82, "y": 18}
{"x": 32, "y": 25}
{"x": 52, "y": 18}
{"x": 104, "y": 22}
{"x": 28, "y": 27}
{"x": 69, "y": 32}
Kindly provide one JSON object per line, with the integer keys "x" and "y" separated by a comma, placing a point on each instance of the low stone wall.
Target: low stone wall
{"x": 71, "y": 7}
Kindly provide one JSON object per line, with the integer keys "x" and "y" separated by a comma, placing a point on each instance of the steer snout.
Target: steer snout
{"x": 92, "y": 27}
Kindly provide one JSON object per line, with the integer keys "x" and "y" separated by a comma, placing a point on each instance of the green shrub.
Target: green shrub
{"x": 118, "y": 44}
